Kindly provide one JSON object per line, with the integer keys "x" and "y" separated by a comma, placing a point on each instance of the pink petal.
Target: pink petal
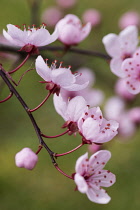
{"x": 42, "y": 69}
{"x": 70, "y": 35}
{"x": 39, "y": 36}
{"x": 85, "y": 31}
{"x": 133, "y": 85}
{"x": 108, "y": 131}
{"x": 81, "y": 164}
{"x": 60, "y": 106}
{"x": 90, "y": 129}
{"x": 75, "y": 108}
{"x": 62, "y": 77}
{"x": 99, "y": 159}
{"x": 112, "y": 45}
{"x": 129, "y": 39}
{"x": 51, "y": 38}
{"x": 97, "y": 195}
{"x": 81, "y": 183}
{"x": 76, "y": 87}
{"x": 116, "y": 67}
{"x": 103, "y": 178}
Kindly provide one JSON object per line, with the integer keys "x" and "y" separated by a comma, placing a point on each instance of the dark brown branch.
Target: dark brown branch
{"x": 6, "y": 48}
{"x": 26, "y": 108}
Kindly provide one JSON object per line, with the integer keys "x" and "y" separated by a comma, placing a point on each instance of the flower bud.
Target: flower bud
{"x": 26, "y": 158}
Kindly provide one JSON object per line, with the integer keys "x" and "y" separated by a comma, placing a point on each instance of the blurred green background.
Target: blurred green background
{"x": 45, "y": 188}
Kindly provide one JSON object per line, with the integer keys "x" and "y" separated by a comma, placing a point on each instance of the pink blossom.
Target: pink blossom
{"x": 51, "y": 16}
{"x": 120, "y": 47}
{"x": 70, "y": 110}
{"x": 29, "y": 38}
{"x": 115, "y": 109}
{"x": 121, "y": 90}
{"x": 90, "y": 176}
{"x": 94, "y": 97}
{"x": 93, "y": 16}
{"x": 134, "y": 114}
{"x": 94, "y": 128}
{"x": 66, "y": 4}
{"x": 131, "y": 71}
{"x": 26, "y": 158}
{"x": 129, "y": 18}
{"x": 57, "y": 77}
{"x": 71, "y": 31}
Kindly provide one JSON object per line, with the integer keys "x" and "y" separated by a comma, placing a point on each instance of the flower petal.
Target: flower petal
{"x": 75, "y": 108}
{"x": 60, "y": 106}
{"x": 81, "y": 183}
{"x": 97, "y": 195}
{"x": 112, "y": 45}
{"x": 85, "y": 31}
{"x": 42, "y": 69}
{"x": 129, "y": 39}
{"x": 103, "y": 178}
{"x": 81, "y": 164}
{"x": 98, "y": 160}
{"x": 62, "y": 77}
{"x": 115, "y": 66}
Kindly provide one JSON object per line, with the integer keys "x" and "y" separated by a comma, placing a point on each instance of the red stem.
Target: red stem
{"x": 8, "y": 97}
{"x": 18, "y": 67}
{"x": 62, "y": 172}
{"x": 56, "y": 135}
{"x": 32, "y": 110}
{"x": 66, "y": 153}
{"x": 39, "y": 149}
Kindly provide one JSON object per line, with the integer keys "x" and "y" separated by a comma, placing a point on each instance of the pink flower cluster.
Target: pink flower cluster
{"x": 125, "y": 54}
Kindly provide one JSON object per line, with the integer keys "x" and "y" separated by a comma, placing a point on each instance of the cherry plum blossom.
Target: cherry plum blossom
{"x": 31, "y": 38}
{"x": 121, "y": 47}
{"x": 134, "y": 115}
{"x": 26, "y": 158}
{"x": 71, "y": 31}
{"x": 96, "y": 129}
{"x": 57, "y": 77}
{"x": 131, "y": 70}
{"x": 90, "y": 176}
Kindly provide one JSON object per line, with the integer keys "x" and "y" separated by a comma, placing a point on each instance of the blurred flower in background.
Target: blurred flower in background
{"x": 93, "y": 16}
{"x": 129, "y": 18}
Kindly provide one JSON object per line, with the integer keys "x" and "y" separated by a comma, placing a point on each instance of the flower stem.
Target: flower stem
{"x": 56, "y": 135}
{"x": 46, "y": 98}
{"x": 66, "y": 153}
{"x": 62, "y": 172}
{"x": 6, "y": 99}
{"x": 18, "y": 67}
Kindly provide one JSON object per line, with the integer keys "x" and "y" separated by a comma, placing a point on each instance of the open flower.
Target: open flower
{"x": 121, "y": 47}
{"x": 131, "y": 70}
{"x": 90, "y": 176}
{"x": 26, "y": 158}
{"x": 71, "y": 31}
{"x": 57, "y": 78}
{"x": 94, "y": 128}
{"x": 70, "y": 110}
{"x": 29, "y": 39}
